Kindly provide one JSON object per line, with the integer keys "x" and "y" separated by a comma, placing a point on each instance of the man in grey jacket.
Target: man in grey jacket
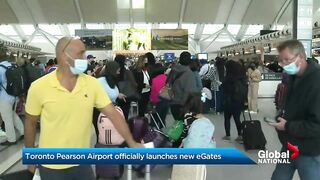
{"x": 183, "y": 83}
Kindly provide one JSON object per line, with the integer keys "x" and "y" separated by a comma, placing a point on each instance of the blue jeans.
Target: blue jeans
{"x": 308, "y": 168}
{"x": 219, "y": 100}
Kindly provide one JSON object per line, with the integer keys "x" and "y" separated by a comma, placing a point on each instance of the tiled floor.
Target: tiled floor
{"x": 261, "y": 172}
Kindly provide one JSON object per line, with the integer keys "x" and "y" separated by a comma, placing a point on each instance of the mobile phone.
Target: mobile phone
{"x": 270, "y": 120}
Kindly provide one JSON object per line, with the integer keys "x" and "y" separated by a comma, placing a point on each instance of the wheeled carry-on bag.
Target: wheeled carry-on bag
{"x": 253, "y": 137}
{"x": 112, "y": 171}
{"x": 158, "y": 138}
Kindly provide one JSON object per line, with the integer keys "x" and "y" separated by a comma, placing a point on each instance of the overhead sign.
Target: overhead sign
{"x": 169, "y": 39}
{"x": 93, "y": 32}
{"x": 96, "y": 39}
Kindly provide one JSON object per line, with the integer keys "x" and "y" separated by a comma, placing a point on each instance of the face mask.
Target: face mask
{"x": 291, "y": 69}
{"x": 80, "y": 65}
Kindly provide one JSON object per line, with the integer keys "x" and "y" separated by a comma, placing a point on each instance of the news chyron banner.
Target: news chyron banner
{"x": 134, "y": 156}
{"x": 169, "y": 39}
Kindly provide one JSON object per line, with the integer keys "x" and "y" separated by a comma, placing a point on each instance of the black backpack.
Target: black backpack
{"x": 15, "y": 80}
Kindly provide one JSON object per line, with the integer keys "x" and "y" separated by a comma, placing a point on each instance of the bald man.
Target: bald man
{"x": 64, "y": 101}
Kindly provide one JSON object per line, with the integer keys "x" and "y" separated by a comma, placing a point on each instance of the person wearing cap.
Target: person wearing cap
{"x": 182, "y": 82}
{"x": 91, "y": 67}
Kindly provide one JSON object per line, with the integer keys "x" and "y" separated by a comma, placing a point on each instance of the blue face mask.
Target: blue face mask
{"x": 291, "y": 69}
{"x": 80, "y": 65}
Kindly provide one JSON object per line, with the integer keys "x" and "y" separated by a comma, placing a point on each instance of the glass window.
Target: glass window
{"x": 7, "y": 30}
{"x": 254, "y": 29}
{"x": 191, "y": 28}
{"x": 234, "y": 29}
{"x": 122, "y": 26}
{"x": 123, "y": 4}
{"x": 212, "y": 28}
{"x": 168, "y": 26}
{"x": 138, "y": 4}
{"x": 280, "y": 27}
{"x": 51, "y": 29}
{"x": 27, "y": 29}
{"x": 95, "y": 26}
{"x": 73, "y": 27}
{"x": 142, "y": 26}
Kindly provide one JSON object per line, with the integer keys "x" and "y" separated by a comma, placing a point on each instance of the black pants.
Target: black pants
{"x": 177, "y": 112}
{"x": 162, "y": 108}
{"x": 143, "y": 103}
{"x": 234, "y": 110}
{"x": 82, "y": 172}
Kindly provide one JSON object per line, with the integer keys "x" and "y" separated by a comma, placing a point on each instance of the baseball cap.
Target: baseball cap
{"x": 90, "y": 57}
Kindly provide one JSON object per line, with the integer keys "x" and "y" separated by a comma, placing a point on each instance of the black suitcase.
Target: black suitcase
{"x": 252, "y": 134}
{"x": 112, "y": 171}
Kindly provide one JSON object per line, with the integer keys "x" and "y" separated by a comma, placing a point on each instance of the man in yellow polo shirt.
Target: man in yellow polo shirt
{"x": 64, "y": 101}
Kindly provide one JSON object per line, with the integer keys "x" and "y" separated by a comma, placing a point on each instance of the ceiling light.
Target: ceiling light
{"x": 138, "y": 4}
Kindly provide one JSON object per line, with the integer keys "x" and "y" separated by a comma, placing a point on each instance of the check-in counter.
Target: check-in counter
{"x": 269, "y": 84}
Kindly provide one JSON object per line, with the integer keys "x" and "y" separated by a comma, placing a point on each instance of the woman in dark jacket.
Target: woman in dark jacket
{"x": 235, "y": 95}
{"x": 142, "y": 77}
{"x": 125, "y": 76}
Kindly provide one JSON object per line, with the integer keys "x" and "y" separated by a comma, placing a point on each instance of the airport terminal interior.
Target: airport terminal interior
{"x": 219, "y": 58}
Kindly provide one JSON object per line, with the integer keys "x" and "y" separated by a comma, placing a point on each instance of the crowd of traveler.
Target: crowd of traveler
{"x": 79, "y": 89}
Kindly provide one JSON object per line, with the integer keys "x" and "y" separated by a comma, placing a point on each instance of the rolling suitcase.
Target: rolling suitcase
{"x": 114, "y": 171}
{"x": 159, "y": 139}
{"x": 252, "y": 134}
{"x": 138, "y": 127}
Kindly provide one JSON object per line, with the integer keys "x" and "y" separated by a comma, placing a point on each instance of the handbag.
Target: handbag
{"x": 127, "y": 88}
{"x": 174, "y": 132}
{"x": 166, "y": 92}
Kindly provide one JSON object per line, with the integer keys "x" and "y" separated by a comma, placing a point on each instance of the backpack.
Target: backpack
{"x": 166, "y": 92}
{"x": 15, "y": 80}
{"x": 108, "y": 134}
{"x": 210, "y": 73}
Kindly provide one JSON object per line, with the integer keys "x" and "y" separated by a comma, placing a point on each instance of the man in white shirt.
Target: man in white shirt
{"x": 9, "y": 116}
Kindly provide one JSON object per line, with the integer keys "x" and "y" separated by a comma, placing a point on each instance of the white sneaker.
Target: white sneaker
{"x": 2, "y": 133}
{"x": 253, "y": 112}
{"x": 246, "y": 111}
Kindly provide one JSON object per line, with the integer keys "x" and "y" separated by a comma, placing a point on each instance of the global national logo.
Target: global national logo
{"x": 276, "y": 157}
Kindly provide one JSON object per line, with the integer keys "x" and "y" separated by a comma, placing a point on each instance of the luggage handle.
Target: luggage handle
{"x": 154, "y": 120}
{"x": 244, "y": 117}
